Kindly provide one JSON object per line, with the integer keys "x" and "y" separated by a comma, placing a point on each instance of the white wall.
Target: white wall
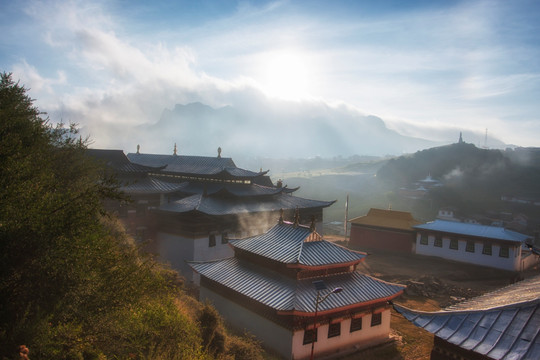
{"x": 347, "y": 342}
{"x": 176, "y": 250}
{"x": 512, "y": 262}
{"x": 272, "y": 335}
{"x": 290, "y": 345}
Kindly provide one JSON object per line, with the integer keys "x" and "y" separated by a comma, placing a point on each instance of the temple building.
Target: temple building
{"x": 298, "y": 294}
{"x": 185, "y": 207}
{"x": 501, "y": 325}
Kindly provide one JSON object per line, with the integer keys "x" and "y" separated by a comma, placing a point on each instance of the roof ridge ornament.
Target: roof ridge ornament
{"x": 219, "y": 152}
{"x": 174, "y": 152}
{"x": 280, "y": 221}
{"x": 312, "y": 227}
{"x": 138, "y": 149}
{"x": 296, "y": 217}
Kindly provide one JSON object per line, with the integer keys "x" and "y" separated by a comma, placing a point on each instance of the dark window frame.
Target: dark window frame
{"x": 356, "y": 324}
{"x": 211, "y": 240}
{"x": 487, "y": 249}
{"x": 454, "y": 244}
{"x": 470, "y": 247}
{"x": 424, "y": 239}
{"x": 310, "y": 336}
{"x": 224, "y": 239}
{"x": 376, "y": 319}
{"x": 438, "y": 241}
{"x": 504, "y": 251}
{"x": 334, "y": 329}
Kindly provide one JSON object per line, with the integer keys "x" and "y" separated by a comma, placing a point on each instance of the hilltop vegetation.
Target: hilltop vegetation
{"x": 72, "y": 284}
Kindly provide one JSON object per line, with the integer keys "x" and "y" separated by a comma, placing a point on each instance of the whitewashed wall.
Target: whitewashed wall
{"x": 290, "y": 345}
{"x": 512, "y": 262}
{"x": 176, "y": 250}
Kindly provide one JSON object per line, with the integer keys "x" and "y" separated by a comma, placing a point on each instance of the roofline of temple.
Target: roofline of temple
{"x": 339, "y": 309}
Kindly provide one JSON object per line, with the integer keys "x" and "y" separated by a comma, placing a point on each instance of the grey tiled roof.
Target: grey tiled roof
{"x": 285, "y": 294}
{"x": 226, "y": 206}
{"x": 289, "y": 244}
{"x": 239, "y": 190}
{"x": 484, "y": 231}
{"x": 195, "y": 165}
{"x": 501, "y": 325}
{"x": 149, "y": 185}
{"x": 117, "y": 160}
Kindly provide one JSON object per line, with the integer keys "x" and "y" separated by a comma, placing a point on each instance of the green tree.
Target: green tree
{"x": 72, "y": 284}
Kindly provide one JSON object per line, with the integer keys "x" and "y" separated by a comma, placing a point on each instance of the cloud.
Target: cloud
{"x": 428, "y": 72}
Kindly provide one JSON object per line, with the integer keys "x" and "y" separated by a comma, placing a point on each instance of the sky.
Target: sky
{"x": 427, "y": 68}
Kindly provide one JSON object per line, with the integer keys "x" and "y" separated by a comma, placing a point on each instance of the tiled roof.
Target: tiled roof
{"x": 194, "y": 165}
{"x": 238, "y": 190}
{"x": 213, "y": 205}
{"x": 151, "y": 185}
{"x": 117, "y": 160}
{"x": 285, "y": 294}
{"x": 400, "y": 220}
{"x": 501, "y": 325}
{"x": 484, "y": 231}
{"x": 291, "y": 244}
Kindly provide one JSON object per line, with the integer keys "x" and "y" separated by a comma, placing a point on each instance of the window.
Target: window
{"x": 224, "y": 239}
{"x": 470, "y": 246}
{"x": 334, "y": 330}
{"x": 487, "y": 249}
{"x": 376, "y": 319}
{"x": 212, "y": 240}
{"x": 423, "y": 239}
{"x": 438, "y": 241}
{"x": 504, "y": 251}
{"x": 453, "y": 244}
{"x": 356, "y": 324}
{"x": 310, "y": 336}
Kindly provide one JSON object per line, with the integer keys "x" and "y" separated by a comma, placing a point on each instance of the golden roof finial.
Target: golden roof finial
{"x": 174, "y": 152}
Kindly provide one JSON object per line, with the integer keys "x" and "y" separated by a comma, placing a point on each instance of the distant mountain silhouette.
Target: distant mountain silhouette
{"x": 279, "y": 129}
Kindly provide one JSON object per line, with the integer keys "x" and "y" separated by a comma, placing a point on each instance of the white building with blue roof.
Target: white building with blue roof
{"x": 268, "y": 289}
{"x": 484, "y": 245}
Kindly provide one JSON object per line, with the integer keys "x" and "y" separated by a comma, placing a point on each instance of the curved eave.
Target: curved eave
{"x": 339, "y": 309}
{"x": 324, "y": 266}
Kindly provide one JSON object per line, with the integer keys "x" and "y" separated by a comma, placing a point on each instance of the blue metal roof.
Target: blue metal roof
{"x": 502, "y": 325}
{"x": 484, "y": 231}
{"x": 117, "y": 160}
{"x": 213, "y": 205}
{"x": 291, "y": 244}
{"x": 284, "y": 294}
{"x": 193, "y": 165}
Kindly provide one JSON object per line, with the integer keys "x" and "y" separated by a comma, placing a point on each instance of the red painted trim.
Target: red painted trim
{"x": 328, "y": 312}
{"x": 327, "y": 266}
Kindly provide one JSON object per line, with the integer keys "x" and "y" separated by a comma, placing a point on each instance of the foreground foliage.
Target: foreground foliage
{"x": 72, "y": 284}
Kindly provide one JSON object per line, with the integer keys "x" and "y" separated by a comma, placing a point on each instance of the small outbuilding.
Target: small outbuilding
{"x": 384, "y": 229}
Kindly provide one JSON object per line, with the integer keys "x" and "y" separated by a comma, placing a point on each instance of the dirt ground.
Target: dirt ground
{"x": 432, "y": 284}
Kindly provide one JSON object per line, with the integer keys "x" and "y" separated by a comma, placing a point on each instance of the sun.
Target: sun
{"x": 285, "y": 74}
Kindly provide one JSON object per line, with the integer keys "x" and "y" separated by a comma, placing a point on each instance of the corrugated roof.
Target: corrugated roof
{"x": 501, "y": 325}
{"x": 285, "y": 294}
{"x": 227, "y": 205}
{"x": 400, "y": 220}
{"x": 484, "y": 231}
{"x": 291, "y": 244}
{"x": 193, "y": 165}
{"x": 151, "y": 185}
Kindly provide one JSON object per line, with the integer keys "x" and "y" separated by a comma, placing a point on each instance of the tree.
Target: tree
{"x": 72, "y": 284}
